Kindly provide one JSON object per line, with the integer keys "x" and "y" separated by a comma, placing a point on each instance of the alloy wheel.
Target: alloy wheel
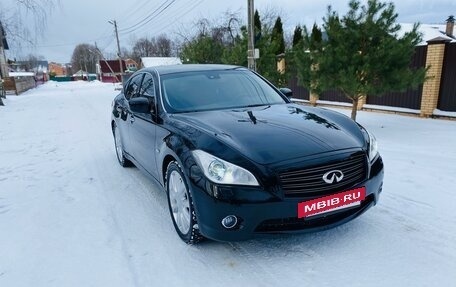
{"x": 179, "y": 201}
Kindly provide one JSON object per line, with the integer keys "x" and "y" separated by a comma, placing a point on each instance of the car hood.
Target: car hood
{"x": 270, "y": 134}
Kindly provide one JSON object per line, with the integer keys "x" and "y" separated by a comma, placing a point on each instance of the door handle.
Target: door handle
{"x": 132, "y": 119}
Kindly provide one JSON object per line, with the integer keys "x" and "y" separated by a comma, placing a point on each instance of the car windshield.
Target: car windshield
{"x": 216, "y": 90}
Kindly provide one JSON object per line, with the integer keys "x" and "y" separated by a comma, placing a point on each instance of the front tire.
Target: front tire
{"x": 180, "y": 205}
{"x": 123, "y": 161}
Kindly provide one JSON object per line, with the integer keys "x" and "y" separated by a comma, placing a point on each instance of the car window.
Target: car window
{"x": 133, "y": 85}
{"x": 212, "y": 90}
{"x": 148, "y": 87}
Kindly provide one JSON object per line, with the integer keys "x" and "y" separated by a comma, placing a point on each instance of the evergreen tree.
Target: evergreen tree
{"x": 363, "y": 54}
{"x": 257, "y": 26}
{"x": 316, "y": 38}
{"x": 202, "y": 50}
{"x": 277, "y": 38}
{"x": 271, "y": 44}
{"x": 306, "y": 56}
{"x": 297, "y": 36}
{"x": 217, "y": 44}
{"x": 237, "y": 54}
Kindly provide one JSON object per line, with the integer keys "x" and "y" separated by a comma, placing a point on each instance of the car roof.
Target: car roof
{"x": 171, "y": 69}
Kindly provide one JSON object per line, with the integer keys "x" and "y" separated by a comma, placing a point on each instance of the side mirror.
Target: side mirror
{"x": 286, "y": 92}
{"x": 141, "y": 105}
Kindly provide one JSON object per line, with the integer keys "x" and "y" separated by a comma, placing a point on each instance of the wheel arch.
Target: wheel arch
{"x": 113, "y": 123}
{"x": 168, "y": 158}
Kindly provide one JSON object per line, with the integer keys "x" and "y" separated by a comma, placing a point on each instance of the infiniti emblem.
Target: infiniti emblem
{"x": 333, "y": 176}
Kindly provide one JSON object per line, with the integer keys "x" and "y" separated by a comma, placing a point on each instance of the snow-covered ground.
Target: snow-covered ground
{"x": 71, "y": 216}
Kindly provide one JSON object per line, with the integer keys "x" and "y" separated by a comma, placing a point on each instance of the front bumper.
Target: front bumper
{"x": 274, "y": 216}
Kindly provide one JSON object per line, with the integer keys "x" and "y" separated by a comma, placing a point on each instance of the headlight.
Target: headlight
{"x": 223, "y": 172}
{"x": 373, "y": 147}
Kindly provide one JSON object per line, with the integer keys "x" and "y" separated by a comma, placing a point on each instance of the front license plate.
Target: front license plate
{"x": 331, "y": 202}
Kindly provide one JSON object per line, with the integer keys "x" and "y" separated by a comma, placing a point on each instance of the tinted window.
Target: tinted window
{"x": 212, "y": 90}
{"x": 148, "y": 88}
{"x": 132, "y": 88}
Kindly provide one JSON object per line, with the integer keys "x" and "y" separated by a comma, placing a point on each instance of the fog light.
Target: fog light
{"x": 230, "y": 221}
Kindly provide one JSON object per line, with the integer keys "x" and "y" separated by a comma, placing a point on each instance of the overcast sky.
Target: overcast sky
{"x": 84, "y": 21}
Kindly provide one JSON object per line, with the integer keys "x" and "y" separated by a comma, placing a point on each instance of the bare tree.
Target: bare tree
{"x": 84, "y": 58}
{"x": 142, "y": 48}
{"x": 160, "y": 46}
{"x": 26, "y": 32}
{"x": 163, "y": 45}
{"x": 30, "y": 63}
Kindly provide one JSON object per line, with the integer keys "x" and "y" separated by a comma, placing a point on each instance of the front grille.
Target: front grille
{"x": 309, "y": 181}
{"x": 300, "y": 224}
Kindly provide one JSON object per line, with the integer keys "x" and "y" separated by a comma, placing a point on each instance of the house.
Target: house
{"x": 132, "y": 66}
{"x": 31, "y": 65}
{"x": 84, "y": 76}
{"x": 147, "y": 62}
{"x": 110, "y": 70}
{"x": 445, "y": 32}
{"x": 3, "y": 47}
{"x": 57, "y": 69}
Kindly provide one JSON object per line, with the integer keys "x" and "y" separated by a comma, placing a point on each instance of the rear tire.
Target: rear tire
{"x": 123, "y": 161}
{"x": 180, "y": 205}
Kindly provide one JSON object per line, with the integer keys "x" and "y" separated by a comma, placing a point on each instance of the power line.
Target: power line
{"x": 152, "y": 18}
{"x": 138, "y": 8}
{"x": 148, "y": 18}
{"x": 184, "y": 8}
{"x": 195, "y": 5}
{"x": 90, "y": 40}
{"x": 157, "y": 14}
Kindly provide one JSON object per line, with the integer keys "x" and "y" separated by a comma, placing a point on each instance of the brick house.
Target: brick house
{"x": 132, "y": 66}
{"x": 57, "y": 69}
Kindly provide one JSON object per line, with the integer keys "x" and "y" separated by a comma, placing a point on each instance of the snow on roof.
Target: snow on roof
{"x": 21, "y": 74}
{"x": 160, "y": 61}
{"x": 80, "y": 73}
{"x": 429, "y": 31}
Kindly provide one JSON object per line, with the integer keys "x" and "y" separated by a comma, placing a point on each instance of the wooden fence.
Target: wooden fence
{"x": 18, "y": 85}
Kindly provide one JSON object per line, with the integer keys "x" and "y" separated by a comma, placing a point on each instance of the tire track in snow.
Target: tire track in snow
{"x": 103, "y": 177}
{"x": 261, "y": 271}
{"x": 262, "y": 274}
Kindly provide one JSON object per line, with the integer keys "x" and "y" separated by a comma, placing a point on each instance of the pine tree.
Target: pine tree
{"x": 306, "y": 57}
{"x": 297, "y": 36}
{"x": 267, "y": 44}
{"x": 257, "y": 26}
{"x": 277, "y": 38}
{"x": 364, "y": 54}
{"x": 316, "y": 37}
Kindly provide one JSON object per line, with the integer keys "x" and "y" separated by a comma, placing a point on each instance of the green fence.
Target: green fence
{"x": 61, "y": 79}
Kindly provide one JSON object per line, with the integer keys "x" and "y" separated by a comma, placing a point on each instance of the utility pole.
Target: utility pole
{"x": 251, "y": 36}
{"x": 113, "y": 22}
{"x": 98, "y": 52}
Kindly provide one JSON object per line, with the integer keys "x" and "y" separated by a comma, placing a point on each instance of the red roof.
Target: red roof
{"x": 114, "y": 64}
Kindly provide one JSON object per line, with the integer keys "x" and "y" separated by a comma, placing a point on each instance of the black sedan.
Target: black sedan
{"x": 237, "y": 158}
